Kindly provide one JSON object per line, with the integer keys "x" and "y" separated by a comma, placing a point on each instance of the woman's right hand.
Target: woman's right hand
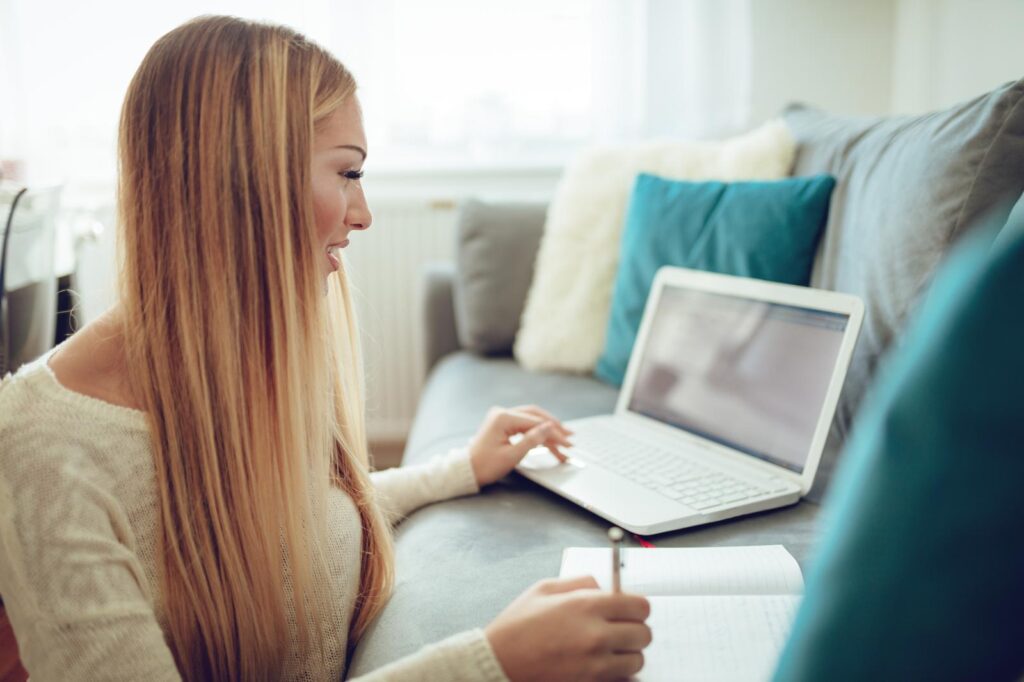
{"x": 568, "y": 629}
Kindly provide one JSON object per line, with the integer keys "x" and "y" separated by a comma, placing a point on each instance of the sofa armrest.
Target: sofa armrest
{"x": 436, "y": 313}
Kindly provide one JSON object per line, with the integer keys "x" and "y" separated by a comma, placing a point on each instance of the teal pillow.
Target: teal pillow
{"x": 768, "y": 230}
{"x": 920, "y": 574}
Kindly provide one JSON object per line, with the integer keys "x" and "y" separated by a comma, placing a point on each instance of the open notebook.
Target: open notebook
{"x": 717, "y": 613}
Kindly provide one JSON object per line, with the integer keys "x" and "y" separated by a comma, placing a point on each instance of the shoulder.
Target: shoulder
{"x": 91, "y": 363}
{"x": 66, "y": 476}
{"x": 54, "y": 442}
{"x": 40, "y": 439}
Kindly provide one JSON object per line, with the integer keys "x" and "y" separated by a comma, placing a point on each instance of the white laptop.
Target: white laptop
{"x": 727, "y": 401}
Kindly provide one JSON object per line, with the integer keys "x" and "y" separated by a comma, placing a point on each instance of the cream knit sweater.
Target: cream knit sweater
{"x": 78, "y": 534}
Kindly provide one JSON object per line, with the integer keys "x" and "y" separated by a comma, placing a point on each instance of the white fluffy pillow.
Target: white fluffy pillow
{"x": 564, "y": 322}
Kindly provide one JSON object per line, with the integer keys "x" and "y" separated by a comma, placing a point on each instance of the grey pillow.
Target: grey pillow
{"x": 907, "y": 188}
{"x": 496, "y": 248}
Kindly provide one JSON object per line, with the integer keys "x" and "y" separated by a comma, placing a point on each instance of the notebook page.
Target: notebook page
{"x": 716, "y": 639}
{"x": 766, "y": 569}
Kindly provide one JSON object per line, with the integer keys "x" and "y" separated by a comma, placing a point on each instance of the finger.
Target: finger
{"x": 623, "y": 666}
{"x": 559, "y": 585}
{"x": 554, "y": 437}
{"x": 558, "y": 434}
{"x": 531, "y": 439}
{"x": 563, "y": 458}
{"x": 553, "y": 440}
{"x": 558, "y": 440}
{"x": 514, "y": 421}
{"x": 544, "y": 414}
{"x": 623, "y": 607}
{"x": 623, "y": 637}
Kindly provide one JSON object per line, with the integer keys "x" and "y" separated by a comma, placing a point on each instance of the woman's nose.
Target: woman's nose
{"x": 358, "y": 216}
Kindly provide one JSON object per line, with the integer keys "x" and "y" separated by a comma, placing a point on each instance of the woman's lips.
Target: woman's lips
{"x": 333, "y": 259}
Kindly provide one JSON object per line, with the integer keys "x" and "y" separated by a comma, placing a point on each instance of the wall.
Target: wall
{"x": 833, "y": 54}
{"x": 881, "y": 56}
{"x": 872, "y": 57}
{"x": 953, "y": 50}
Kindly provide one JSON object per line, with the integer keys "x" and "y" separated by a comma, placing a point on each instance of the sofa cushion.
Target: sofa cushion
{"x": 919, "y": 576}
{"x": 768, "y": 230}
{"x": 907, "y": 188}
{"x": 464, "y": 386}
{"x": 495, "y": 250}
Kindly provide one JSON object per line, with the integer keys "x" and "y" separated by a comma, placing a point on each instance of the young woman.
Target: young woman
{"x": 184, "y": 483}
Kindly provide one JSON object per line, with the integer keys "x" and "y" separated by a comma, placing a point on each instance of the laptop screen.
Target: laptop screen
{"x": 748, "y": 374}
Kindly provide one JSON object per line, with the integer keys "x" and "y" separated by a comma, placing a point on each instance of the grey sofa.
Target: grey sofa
{"x": 907, "y": 189}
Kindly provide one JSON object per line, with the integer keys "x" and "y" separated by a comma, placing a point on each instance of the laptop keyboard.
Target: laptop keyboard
{"x": 666, "y": 472}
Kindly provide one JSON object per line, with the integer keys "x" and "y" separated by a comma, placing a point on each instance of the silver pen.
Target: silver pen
{"x": 615, "y": 536}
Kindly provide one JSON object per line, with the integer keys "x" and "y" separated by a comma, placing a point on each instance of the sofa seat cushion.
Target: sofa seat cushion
{"x": 463, "y": 386}
{"x": 460, "y": 562}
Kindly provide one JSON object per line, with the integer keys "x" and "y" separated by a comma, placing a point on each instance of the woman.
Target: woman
{"x": 184, "y": 486}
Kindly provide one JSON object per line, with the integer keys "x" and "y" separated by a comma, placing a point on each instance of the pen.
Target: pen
{"x": 615, "y": 536}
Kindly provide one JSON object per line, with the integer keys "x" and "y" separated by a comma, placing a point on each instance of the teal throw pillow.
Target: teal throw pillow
{"x": 764, "y": 229}
{"x": 920, "y": 574}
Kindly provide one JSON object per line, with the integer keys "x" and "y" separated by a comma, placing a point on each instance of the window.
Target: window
{"x": 445, "y": 83}
{"x": 458, "y": 81}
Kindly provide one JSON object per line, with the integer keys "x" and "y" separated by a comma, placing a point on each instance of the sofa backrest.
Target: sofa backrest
{"x": 907, "y": 188}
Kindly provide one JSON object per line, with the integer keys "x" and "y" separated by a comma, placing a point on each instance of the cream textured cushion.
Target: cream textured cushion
{"x": 566, "y": 314}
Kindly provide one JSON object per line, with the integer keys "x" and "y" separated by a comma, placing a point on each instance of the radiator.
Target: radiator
{"x": 384, "y": 264}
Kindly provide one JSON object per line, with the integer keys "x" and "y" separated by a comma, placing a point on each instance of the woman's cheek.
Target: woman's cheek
{"x": 328, "y": 209}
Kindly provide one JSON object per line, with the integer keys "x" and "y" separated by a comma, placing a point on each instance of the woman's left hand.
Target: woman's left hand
{"x": 492, "y": 454}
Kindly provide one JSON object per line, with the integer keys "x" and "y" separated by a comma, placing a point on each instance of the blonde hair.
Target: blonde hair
{"x": 250, "y": 377}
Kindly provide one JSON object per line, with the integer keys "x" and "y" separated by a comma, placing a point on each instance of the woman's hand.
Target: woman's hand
{"x": 570, "y": 630}
{"x": 493, "y": 455}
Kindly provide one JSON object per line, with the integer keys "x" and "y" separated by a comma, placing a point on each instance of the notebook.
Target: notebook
{"x": 717, "y": 613}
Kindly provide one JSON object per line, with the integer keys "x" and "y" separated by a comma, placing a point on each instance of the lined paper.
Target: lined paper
{"x": 716, "y": 639}
{"x": 665, "y": 571}
{"x": 718, "y": 614}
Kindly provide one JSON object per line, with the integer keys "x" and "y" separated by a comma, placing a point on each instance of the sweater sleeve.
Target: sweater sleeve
{"x": 465, "y": 657}
{"x": 402, "y": 490}
{"x": 74, "y": 591}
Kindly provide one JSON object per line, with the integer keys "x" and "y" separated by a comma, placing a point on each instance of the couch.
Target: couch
{"x": 907, "y": 189}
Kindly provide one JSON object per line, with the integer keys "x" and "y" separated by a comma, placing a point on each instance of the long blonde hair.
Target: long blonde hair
{"x": 250, "y": 377}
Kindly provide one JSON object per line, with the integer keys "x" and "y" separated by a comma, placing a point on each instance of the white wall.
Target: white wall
{"x": 833, "y": 54}
{"x": 948, "y": 51}
{"x": 869, "y": 57}
{"x": 882, "y": 56}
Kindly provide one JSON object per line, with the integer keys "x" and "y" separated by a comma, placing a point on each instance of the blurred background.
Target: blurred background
{"x": 461, "y": 98}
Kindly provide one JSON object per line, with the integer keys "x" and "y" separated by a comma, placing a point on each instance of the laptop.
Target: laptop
{"x": 727, "y": 401}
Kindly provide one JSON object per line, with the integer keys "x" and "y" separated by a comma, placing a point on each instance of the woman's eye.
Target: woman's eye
{"x": 351, "y": 174}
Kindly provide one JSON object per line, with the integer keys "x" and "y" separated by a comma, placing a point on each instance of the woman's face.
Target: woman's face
{"x": 339, "y": 150}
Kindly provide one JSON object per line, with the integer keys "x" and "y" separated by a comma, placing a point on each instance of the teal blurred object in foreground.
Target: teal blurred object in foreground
{"x": 920, "y": 572}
